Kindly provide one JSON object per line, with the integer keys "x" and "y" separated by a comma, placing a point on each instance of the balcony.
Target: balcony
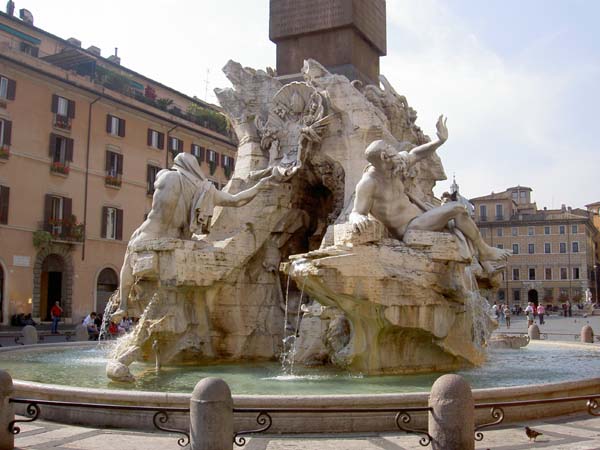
{"x": 62, "y": 122}
{"x": 61, "y": 168}
{"x": 4, "y": 152}
{"x": 63, "y": 230}
{"x": 112, "y": 180}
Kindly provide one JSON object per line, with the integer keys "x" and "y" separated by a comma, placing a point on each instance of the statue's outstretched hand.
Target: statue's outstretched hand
{"x": 442, "y": 129}
{"x": 359, "y": 222}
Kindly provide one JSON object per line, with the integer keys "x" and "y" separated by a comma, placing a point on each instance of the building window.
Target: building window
{"x": 531, "y": 249}
{"x": 546, "y": 230}
{"x": 483, "y": 212}
{"x": 29, "y": 49}
{"x": 574, "y": 229}
{"x": 115, "y": 126}
{"x": 483, "y": 232}
{"x": 213, "y": 161}
{"x": 152, "y": 172}
{"x": 523, "y": 195}
{"x": 515, "y": 196}
{"x": 575, "y": 247}
{"x": 548, "y": 273}
{"x": 516, "y": 295}
{"x": 228, "y": 163}
{"x": 562, "y": 247}
{"x": 58, "y": 216}
{"x": 501, "y": 295}
{"x": 175, "y": 145}
{"x": 499, "y": 214}
{"x": 532, "y": 273}
{"x": 198, "y": 152}
{"x": 8, "y": 88}
{"x": 112, "y": 223}
{"x": 515, "y": 248}
{"x": 514, "y": 231}
{"x": 61, "y": 152}
{"x": 561, "y": 229}
{"x": 114, "y": 169}
{"x": 64, "y": 112}
{"x": 5, "y": 138}
{"x": 156, "y": 139}
{"x": 530, "y": 231}
{"x": 499, "y": 232}
{"x": 576, "y": 273}
{"x": 547, "y": 247}
{"x": 4, "y": 198}
{"x": 548, "y": 294}
{"x": 516, "y": 275}
{"x": 563, "y": 294}
{"x": 500, "y": 246}
{"x": 563, "y": 273}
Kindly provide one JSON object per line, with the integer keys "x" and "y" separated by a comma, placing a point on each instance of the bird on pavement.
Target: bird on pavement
{"x": 532, "y": 434}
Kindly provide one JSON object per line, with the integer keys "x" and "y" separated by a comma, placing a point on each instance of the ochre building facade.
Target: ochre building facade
{"x": 82, "y": 139}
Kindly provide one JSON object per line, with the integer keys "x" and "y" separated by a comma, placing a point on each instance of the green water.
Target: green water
{"x": 535, "y": 364}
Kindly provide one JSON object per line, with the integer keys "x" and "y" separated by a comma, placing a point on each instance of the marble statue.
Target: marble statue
{"x": 381, "y": 193}
{"x": 182, "y": 205}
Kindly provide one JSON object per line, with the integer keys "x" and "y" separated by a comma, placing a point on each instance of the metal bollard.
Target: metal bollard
{"x": 452, "y": 420}
{"x": 7, "y": 411}
{"x": 211, "y": 416}
{"x": 587, "y": 334}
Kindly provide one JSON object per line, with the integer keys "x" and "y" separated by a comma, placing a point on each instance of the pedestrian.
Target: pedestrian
{"x": 541, "y": 311}
{"x": 90, "y": 324}
{"x": 570, "y": 308}
{"x": 529, "y": 314}
{"x": 55, "y": 313}
{"x": 507, "y": 315}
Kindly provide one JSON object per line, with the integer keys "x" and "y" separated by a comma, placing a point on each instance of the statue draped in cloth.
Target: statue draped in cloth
{"x": 182, "y": 205}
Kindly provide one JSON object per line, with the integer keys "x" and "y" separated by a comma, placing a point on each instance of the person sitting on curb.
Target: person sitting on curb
{"x": 90, "y": 324}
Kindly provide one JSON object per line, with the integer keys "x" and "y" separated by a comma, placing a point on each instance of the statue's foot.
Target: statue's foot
{"x": 118, "y": 315}
{"x": 488, "y": 253}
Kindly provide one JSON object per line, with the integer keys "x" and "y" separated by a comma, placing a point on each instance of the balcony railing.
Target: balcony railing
{"x": 60, "y": 167}
{"x": 62, "y": 122}
{"x": 113, "y": 180}
{"x": 63, "y": 229}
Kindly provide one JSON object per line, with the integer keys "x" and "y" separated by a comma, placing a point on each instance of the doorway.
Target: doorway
{"x": 108, "y": 282}
{"x": 51, "y": 288}
{"x": 532, "y": 296}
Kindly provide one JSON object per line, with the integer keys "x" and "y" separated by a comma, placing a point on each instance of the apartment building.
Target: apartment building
{"x": 554, "y": 251}
{"x": 82, "y": 139}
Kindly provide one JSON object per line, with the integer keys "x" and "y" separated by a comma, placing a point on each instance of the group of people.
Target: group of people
{"x": 93, "y": 323}
{"x": 532, "y": 311}
{"x": 502, "y": 313}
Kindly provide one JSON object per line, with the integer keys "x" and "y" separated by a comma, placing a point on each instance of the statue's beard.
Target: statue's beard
{"x": 399, "y": 169}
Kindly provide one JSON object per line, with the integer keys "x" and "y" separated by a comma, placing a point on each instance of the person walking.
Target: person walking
{"x": 507, "y": 315}
{"x": 541, "y": 311}
{"x": 569, "y": 308}
{"x": 55, "y": 313}
{"x": 529, "y": 314}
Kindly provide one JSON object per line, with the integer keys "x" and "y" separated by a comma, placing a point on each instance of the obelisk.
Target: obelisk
{"x": 347, "y": 36}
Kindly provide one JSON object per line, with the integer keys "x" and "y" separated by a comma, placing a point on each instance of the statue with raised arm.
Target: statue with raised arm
{"x": 182, "y": 205}
{"x": 382, "y": 194}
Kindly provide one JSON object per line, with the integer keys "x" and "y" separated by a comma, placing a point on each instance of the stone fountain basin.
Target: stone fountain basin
{"x": 294, "y": 422}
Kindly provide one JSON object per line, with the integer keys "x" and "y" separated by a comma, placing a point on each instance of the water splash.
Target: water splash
{"x": 288, "y": 351}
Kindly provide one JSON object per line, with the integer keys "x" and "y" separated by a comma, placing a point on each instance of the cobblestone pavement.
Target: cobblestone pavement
{"x": 581, "y": 432}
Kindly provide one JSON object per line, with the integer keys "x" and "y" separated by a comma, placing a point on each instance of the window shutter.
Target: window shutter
{"x": 169, "y": 143}
{"x": 69, "y": 153}
{"x": 232, "y": 163}
{"x": 103, "y": 222}
{"x": 71, "y": 110}
{"x": 161, "y": 140}
{"x": 122, "y": 127}
{"x": 54, "y": 103}
{"x": 217, "y": 159}
{"x": 47, "y": 211}
{"x": 67, "y": 208}
{"x": 52, "y": 144}
{"x": 108, "y": 123}
{"x": 201, "y": 153}
{"x": 148, "y": 185}
{"x": 12, "y": 89}
{"x": 120, "y": 164}
{"x": 149, "y": 140}
{"x": 7, "y": 132}
{"x": 119, "y": 233}
{"x": 4, "y": 196}
{"x": 107, "y": 165}
{"x": 179, "y": 145}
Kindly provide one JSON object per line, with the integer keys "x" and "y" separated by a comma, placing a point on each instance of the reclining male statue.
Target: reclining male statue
{"x": 381, "y": 193}
{"x": 182, "y": 205}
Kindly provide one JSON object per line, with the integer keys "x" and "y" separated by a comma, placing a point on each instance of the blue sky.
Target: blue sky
{"x": 519, "y": 80}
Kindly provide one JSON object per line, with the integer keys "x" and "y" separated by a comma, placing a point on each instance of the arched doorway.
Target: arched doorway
{"x": 108, "y": 282}
{"x": 532, "y": 296}
{"x": 51, "y": 284}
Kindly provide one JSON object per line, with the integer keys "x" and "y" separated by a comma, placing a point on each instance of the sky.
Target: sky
{"x": 518, "y": 79}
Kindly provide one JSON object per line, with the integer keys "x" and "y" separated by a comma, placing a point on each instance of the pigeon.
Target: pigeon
{"x": 532, "y": 434}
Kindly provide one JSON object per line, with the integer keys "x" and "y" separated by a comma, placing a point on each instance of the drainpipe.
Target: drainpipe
{"x": 87, "y": 172}
{"x": 167, "y": 147}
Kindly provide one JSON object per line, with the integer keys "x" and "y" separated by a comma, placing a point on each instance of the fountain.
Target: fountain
{"x": 351, "y": 300}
